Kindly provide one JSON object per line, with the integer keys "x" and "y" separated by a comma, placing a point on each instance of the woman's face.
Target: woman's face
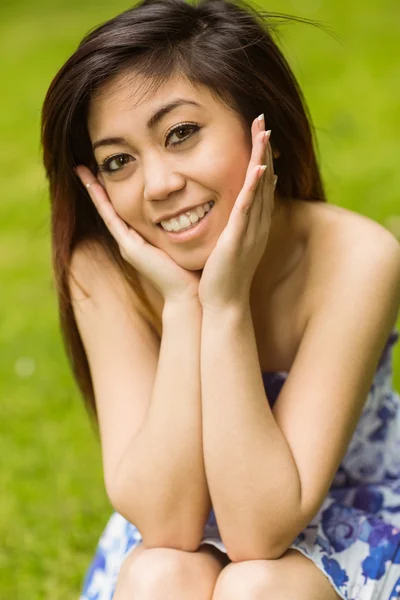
{"x": 146, "y": 176}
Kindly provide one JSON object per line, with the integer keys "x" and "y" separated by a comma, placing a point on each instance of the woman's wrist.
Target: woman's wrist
{"x": 175, "y": 305}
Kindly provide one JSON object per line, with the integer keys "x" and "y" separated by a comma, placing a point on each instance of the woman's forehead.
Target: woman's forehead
{"x": 134, "y": 91}
{"x": 135, "y": 97}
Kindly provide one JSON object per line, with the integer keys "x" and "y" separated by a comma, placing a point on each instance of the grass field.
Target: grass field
{"x": 53, "y": 506}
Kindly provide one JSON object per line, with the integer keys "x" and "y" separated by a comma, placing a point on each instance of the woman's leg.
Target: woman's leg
{"x": 169, "y": 574}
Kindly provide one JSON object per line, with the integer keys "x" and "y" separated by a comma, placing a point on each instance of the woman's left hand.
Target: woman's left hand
{"x": 228, "y": 273}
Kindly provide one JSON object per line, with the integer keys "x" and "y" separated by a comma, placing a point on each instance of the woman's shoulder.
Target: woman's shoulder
{"x": 93, "y": 272}
{"x": 336, "y": 232}
{"x": 339, "y": 237}
{"x": 336, "y": 223}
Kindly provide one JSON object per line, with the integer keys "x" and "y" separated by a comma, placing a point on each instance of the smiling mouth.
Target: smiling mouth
{"x": 192, "y": 232}
{"x": 212, "y": 203}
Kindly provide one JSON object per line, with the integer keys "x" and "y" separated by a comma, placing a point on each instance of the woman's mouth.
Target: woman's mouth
{"x": 193, "y": 230}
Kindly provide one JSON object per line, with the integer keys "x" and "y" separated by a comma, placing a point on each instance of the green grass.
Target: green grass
{"x": 53, "y": 506}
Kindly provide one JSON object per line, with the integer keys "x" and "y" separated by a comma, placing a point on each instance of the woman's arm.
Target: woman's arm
{"x": 251, "y": 472}
{"x": 148, "y": 402}
{"x": 249, "y": 464}
{"x": 269, "y": 470}
{"x": 160, "y": 483}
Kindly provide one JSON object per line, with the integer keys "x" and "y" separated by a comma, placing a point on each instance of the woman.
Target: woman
{"x": 230, "y": 331}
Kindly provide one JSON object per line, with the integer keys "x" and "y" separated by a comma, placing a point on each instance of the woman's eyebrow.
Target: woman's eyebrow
{"x": 160, "y": 113}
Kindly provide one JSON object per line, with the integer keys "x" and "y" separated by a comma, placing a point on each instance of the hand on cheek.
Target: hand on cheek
{"x": 101, "y": 181}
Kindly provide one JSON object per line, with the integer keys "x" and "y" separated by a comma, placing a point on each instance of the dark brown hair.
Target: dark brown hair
{"x": 226, "y": 45}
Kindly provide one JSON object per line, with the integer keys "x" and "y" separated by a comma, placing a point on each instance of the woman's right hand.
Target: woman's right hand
{"x": 174, "y": 282}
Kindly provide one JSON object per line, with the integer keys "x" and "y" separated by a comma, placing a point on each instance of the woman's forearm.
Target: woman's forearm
{"x": 161, "y": 480}
{"x": 250, "y": 470}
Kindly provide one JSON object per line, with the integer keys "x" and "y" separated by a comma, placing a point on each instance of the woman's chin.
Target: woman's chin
{"x": 191, "y": 260}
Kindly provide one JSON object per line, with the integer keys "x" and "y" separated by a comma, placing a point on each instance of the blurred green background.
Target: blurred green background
{"x": 53, "y": 506}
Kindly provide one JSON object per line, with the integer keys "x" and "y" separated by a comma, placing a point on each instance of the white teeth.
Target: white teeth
{"x": 200, "y": 210}
{"x": 187, "y": 219}
{"x": 194, "y": 217}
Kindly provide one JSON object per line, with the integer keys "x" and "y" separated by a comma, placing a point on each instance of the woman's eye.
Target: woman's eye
{"x": 118, "y": 161}
{"x": 115, "y": 163}
{"x": 184, "y": 127}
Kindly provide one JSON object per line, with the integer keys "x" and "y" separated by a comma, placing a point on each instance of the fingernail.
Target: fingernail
{"x": 268, "y": 133}
{"x": 261, "y": 120}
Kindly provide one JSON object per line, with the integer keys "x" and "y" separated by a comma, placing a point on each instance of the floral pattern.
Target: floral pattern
{"x": 355, "y": 537}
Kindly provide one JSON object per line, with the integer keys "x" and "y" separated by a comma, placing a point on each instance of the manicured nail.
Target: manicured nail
{"x": 262, "y": 169}
{"x": 261, "y": 121}
{"x": 268, "y": 133}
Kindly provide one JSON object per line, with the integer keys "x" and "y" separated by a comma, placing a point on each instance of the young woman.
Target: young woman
{"x": 229, "y": 329}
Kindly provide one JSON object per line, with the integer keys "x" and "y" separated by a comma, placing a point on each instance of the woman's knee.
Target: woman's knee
{"x": 158, "y": 573}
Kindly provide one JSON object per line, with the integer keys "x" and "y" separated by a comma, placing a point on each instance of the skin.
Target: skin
{"x": 159, "y": 178}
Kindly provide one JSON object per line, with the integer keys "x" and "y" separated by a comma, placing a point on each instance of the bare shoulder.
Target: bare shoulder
{"x": 89, "y": 258}
{"x": 341, "y": 238}
{"x": 336, "y": 220}
{"x": 93, "y": 273}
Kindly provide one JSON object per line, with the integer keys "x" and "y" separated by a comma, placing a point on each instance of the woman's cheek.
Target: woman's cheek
{"x": 112, "y": 192}
{"x": 126, "y": 205}
{"x": 116, "y": 197}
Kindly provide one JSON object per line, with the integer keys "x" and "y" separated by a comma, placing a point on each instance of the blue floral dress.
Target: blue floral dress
{"x": 355, "y": 537}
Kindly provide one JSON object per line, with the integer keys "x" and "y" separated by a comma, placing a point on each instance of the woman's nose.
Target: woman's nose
{"x": 160, "y": 178}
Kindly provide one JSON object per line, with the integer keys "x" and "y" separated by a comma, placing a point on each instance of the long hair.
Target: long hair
{"x": 226, "y": 45}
